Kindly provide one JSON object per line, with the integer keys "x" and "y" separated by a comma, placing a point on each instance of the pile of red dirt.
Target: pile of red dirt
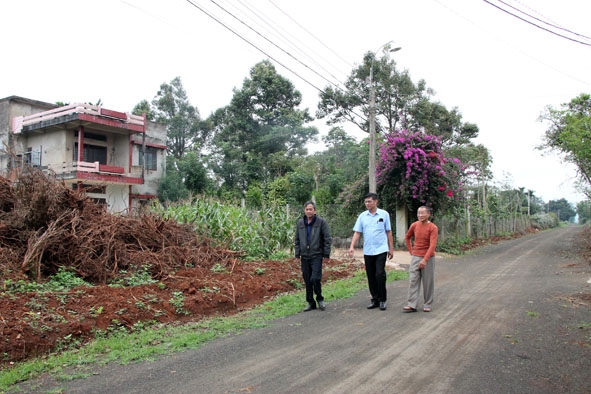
{"x": 46, "y": 228}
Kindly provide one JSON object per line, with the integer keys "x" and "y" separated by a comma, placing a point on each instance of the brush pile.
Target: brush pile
{"x": 44, "y": 226}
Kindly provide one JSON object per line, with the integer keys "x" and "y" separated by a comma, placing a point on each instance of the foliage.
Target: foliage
{"x": 563, "y": 209}
{"x": 453, "y": 245}
{"x": 143, "y": 107}
{"x": 171, "y": 187}
{"x": 413, "y": 169}
{"x": 396, "y": 95}
{"x": 61, "y": 281}
{"x": 259, "y": 134}
{"x": 544, "y": 220}
{"x": 171, "y": 106}
{"x": 584, "y": 211}
{"x": 256, "y": 233}
{"x": 193, "y": 171}
{"x": 569, "y": 132}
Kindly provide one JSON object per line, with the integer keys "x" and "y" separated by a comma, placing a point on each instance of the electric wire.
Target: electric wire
{"x": 252, "y": 44}
{"x": 209, "y": 14}
{"x": 276, "y": 46}
{"x": 283, "y": 35}
{"x": 538, "y": 26}
{"x": 553, "y": 24}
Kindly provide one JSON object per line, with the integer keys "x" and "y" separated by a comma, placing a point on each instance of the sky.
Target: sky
{"x": 499, "y": 71}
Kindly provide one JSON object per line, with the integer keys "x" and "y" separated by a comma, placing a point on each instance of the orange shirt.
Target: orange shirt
{"x": 425, "y": 239}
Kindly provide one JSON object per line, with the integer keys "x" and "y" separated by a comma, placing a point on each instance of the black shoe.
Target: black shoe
{"x": 321, "y": 305}
{"x": 373, "y": 305}
{"x": 309, "y": 308}
{"x": 382, "y": 305}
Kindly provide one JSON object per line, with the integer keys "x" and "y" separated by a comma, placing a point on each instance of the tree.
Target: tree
{"x": 563, "y": 209}
{"x": 396, "y": 94}
{"x": 584, "y": 211}
{"x": 143, "y": 107}
{"x": 414, "y": 170}
{"x": 194, "y": 173}
{"x": 261, "y": 131}
{"x": 185, "y": 130}
{"x": 569, "y": 132}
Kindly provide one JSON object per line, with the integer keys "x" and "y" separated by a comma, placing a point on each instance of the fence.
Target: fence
{"x": 480, "y": 227}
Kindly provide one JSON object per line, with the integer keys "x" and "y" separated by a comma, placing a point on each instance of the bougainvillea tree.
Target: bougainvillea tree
{"x": 413, "y": 170}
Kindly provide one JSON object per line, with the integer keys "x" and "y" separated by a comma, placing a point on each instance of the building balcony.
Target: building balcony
{"x": 80, "y": 114}
{"x": 96, "y": 173}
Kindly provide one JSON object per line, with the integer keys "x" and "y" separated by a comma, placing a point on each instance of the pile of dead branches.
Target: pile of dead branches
{"x": 44, "y": 225}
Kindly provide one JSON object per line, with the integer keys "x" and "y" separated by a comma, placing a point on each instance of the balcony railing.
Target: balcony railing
{"x": 19, "y": 122}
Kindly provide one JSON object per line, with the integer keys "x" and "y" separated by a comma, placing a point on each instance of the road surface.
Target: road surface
{"x": 508, "y": 318}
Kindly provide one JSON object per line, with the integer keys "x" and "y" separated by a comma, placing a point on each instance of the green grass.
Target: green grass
{"x": 148, "y": 344}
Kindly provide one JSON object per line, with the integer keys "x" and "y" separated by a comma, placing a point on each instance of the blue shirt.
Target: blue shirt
{"x": 374, "y": 229}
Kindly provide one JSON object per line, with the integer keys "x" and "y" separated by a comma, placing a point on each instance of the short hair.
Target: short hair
{"x": 310, "y": 203}
{"x": 425, "y": 207}
{"x": 373, "y": 196}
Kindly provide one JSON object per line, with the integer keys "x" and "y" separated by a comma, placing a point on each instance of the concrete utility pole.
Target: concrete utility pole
{"x": 372, "y": 122}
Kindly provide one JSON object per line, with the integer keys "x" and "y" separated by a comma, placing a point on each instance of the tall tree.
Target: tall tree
{"x": 569, "y": 132}
{"x": 563, "y": 209}
{"x": 185, "y": 131}
{"x": 261, "y": 129}
{"x": 396, "y": 95}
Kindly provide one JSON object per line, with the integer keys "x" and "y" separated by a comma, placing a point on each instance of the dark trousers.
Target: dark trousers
{"x": 312, "y": 273}
{"x": 375, "y": 268}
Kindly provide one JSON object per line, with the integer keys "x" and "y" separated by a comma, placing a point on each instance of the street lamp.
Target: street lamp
{"x": 372, "y": 122}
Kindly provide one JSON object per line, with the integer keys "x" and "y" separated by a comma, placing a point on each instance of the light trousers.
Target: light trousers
{"x": 426, "y": 277}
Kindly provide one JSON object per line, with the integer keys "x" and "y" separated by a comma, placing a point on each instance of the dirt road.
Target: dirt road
{"x": 509, "y": 318}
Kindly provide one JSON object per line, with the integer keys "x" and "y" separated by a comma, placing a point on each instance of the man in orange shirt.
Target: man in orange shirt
{"x": 422, "y": 263}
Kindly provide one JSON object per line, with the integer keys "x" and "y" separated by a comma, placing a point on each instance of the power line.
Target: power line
{"x": 252, "y": 44}
{"x": 287, "y": 38}
{"x": 266, "y": 53}
{"x": 275, "y": 45}
{"x": 553, "y": 24}
{"x": 534, "y": 24}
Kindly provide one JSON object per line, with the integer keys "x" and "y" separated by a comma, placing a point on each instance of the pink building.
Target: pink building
{"x": 118, "y": 157}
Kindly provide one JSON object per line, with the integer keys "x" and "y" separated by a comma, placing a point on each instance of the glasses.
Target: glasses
{"x": 368, "y": 201}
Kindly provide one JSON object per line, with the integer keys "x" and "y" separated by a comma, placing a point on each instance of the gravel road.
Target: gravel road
{"x": 514, "y": 317}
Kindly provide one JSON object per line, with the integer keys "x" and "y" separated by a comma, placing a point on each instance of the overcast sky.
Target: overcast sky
{"x": 498, "y": 70}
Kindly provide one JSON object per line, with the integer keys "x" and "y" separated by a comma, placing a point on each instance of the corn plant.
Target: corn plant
{"x": 258, "y": 233}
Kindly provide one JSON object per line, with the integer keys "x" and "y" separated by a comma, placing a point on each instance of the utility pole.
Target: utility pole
{"x": 372, "y": 122}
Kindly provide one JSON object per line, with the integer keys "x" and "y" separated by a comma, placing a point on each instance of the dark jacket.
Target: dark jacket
{"x": 320, "y": 239}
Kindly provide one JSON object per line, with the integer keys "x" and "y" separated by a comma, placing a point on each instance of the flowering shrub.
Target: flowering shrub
{"x": 412, "y": 168}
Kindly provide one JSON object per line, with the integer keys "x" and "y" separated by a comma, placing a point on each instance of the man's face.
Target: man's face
{"x": 423, "y": 215}
{"x": 309, "y": 211}
{"x": 370, "y": 203}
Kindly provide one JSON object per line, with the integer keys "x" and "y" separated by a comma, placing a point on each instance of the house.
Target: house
{"x": 117, "y": 157}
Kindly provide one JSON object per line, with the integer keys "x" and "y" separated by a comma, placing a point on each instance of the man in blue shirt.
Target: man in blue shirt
{"x": 378, "y": 244}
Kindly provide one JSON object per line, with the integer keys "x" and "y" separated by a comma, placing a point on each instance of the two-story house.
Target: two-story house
{"x": 117, "y": 157}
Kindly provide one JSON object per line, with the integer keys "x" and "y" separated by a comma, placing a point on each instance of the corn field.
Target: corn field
{"x": 257, "y": 233}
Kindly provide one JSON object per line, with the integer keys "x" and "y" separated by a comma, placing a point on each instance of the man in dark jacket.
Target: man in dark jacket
{"x": 312, "y": 247}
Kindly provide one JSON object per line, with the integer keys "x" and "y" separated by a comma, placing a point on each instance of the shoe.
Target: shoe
{"x": 321, "y": 305}
{"x": 408, "y": 309}
{"x": 382, "y": 305}
{"x": 309, "y": 308}
{"x": 373, "y": 305}
{"x": 427, "y": 309}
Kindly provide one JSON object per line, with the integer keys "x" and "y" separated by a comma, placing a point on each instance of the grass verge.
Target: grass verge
{"x": 147, "y": 344}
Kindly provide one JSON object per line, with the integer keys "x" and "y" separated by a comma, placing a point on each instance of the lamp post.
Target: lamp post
{"x": 372, "y": 122}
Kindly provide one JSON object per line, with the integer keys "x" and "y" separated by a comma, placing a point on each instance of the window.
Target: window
{"x": 151, "y": 155}
{"x": 92, "y": 153}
